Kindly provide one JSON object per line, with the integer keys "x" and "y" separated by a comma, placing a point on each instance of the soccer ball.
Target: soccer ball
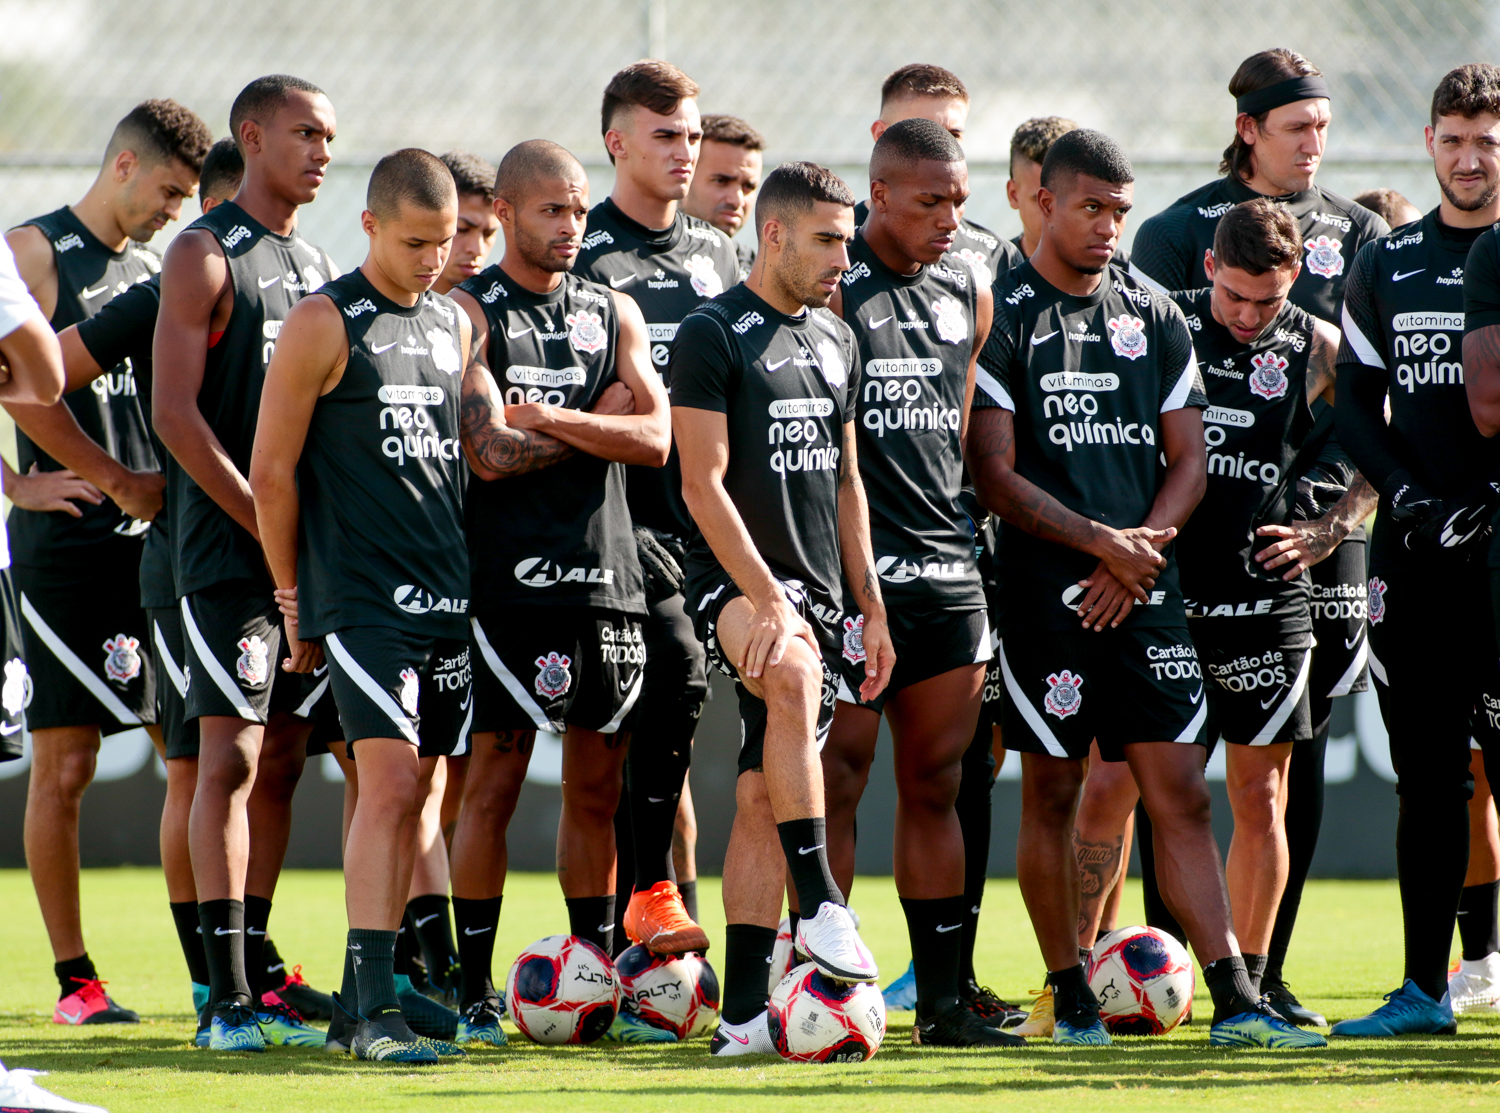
{"x": 677, "y": 992}
{"x": 562, "y": 989}
{"x": 814, "y": 1019}
{"x": 1143, "y": 979}
{"x": 781, "y": 955}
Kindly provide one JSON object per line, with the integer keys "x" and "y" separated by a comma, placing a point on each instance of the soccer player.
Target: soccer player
{"x": 87, "y": 645}
{"x": 357, "y": 474}
{"x": 919, "y": 318}
{"x": 1028, "y": 148}
{"x": 563, "y": 400}
{"x": 641, "y": 243}
{"x": 1389, "y": 205}
{"x": 763, "y": 394}
{"x": 728, "y": 173}
{"x": 477, "y": 224}
{"x": 1404, "y": 319}
{"x": 228, "y": 283}
{"x": 1087, "y": 384}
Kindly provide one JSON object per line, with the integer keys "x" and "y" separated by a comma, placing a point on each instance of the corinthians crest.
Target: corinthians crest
{"x": 1127, "y": 336}
{"x": 1063, "y": 697}
{"x": 706, "y": 281}
{"x": 411, "y": 688}
{"x": 553, "y": 677}
{"x": 1325, "y": 256}
{"x": 1267, "y": 376}
{"x": 1377, "y": 600}
{"x": 948, "y": 319}
{"x": 252, "y": 664}
{"x": 854, "y": 638}
{"x": 17, "y": 690}
{"x": 122, "y": 662}
{"x": 586, "y": 331}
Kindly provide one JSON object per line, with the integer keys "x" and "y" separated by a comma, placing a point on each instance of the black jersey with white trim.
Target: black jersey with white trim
{"x": 382, "y": 474}
{"x": 669, "y": 272}
{"x": 915, "y": 335}
{"x": 989, "y": 256}
{"x": 560, "y": 535}
{"x": 89, "y": 276}
{"x": 1087, "y": 379}
{"x": 1167, "y": 253}
{"x": 268, "y": 274}
{"x": 787, "y": 387}
{"x": 1256, "y": 420}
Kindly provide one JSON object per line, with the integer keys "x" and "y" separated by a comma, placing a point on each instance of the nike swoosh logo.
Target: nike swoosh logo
{"x": 467, "y": 700}
{"x": 74, "y": 1018}
{"x": 626, "y": 281}
{"x": 941, "y": 929}
{"x": 252, "y": 931}
{"x": 511, "y": 334}
{"x": 356, "y": 946}
{"x": 656, "y": 799}
{"x": 809, "y": 849}
{"x": 1199, "y": 693}
{"x": 737, "y": 1038}
{"x": 321, "y": 671}
{"x": 267, "y": 283}
{"x": 1398, "y": 276}
{"x": 226, "y": 931}
{"x": 427, "y": 919}
{"x": 1267, "y": 703}
{"x": 1036, "y": 341}
{"x": 8, "y": 731}
{"x": 481, "y": 931}
{"x": 94, "y": 293}
{"x": 778, "y": 363}
{"x": 376, "y": 349}
{"x": 876, "y": 324}
{"x": 611, "y": 927}
{"x": 1350, "y": 643}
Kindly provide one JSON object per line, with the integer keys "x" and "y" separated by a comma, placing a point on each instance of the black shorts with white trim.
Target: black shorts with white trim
{"x": 178, "y": 733}
{"x": 1340, "y": 663}
{"x": 546, "y": 668}
{"x": 1121, "y": 686}
{"x": 706, "y": 599}
{"x": 16, "y": 688}
{"x": 1258, "y": 692}
{"x": 88, "y": 645}
{"x": 393, "y": 684}
{"x": 928, "y": 643}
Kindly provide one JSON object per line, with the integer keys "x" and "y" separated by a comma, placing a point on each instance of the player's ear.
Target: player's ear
{"x": 1208, "y": 263}
{"x": 1247, "y": 128}
{"x": 367, "y": 221}
{"x": 250, "y": 135}
{"x": 879, "y": 193}
{"x": 877, "y": 129}
{"x": 614, "y": 143}
{"x": 1046, "y": 200}
{"x": 125, "y": 164}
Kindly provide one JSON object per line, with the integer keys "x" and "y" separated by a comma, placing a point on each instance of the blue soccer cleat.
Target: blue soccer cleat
{"x": 1406, "y": 1012}
{"x": 200, "y": 998}
{"x": 901, "y": 994}
{"x": 374, "y": 1044}
{"x": 283, "y": 1026}
{"x": 629, "y": 1028}
{"x": 480, "y": 1023}
{"x": 1082, "y": 1029}
{"x": 1262, "y": 1028}
{"x": 234, "y": 1028}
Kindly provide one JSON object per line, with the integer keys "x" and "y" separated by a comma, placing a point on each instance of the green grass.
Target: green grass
{"x": 1347, "y": 954}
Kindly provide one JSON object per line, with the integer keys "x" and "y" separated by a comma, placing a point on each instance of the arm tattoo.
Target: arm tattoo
{"x": 1021, "y": 502}
{"x": 502, "y": 450}
{"x": 1320, "y": 368}
{"x": 870, "y": 588}
{"x": 844, "y": 458}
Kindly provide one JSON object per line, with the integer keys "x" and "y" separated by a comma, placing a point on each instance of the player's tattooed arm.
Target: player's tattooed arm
{"x": 1482, "y": 377}
{"x": 494, "y": 449}
{"x": 1304, "y": 543}
{"x": 1322, "y": 371}
{"x": 858, "y": 559}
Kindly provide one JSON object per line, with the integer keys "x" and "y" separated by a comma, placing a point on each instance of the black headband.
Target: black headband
{"x": 1283, "y": 92}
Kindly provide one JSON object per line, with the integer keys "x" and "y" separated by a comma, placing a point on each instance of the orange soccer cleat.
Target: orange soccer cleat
{"x": 657, "y": 921}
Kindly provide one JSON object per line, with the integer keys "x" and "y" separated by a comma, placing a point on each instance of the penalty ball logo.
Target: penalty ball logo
{"x": 1127, "y": 335}
{"x": 122, "y": 663}
{"x": 1063, "y": 696}
{"x": 553, "y": 677}
{"x": 1267, "y": 376}
{"x": 854, "y": 638}
{"x": 410, "y": 690}
{"x": 1325, "y": 257}
{"x": 252, "y": 664}
{"x": 1377, "y": 600}
{"x": 586, "y": 331}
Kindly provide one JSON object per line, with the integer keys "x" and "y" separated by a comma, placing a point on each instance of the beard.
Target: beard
{"x": 1484, "y": 200}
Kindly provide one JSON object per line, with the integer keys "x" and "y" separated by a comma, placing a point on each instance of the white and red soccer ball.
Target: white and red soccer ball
{"x": 782, "y": 960}
{"x": 815, "y": 1019}
{"x": 1143, "y": 979}
{"x": 562, "y": 989}
{"x": 678, "y": 993}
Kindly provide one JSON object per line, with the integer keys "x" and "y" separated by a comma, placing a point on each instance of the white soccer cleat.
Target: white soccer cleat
{"x": 1474, "y": 989}
{"x": 19, "y": 1091}
{"x": 831, "y": 940}
{"x": 750, "y": 1038}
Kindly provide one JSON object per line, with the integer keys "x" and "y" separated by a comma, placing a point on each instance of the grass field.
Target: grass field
{"x": 1347, "y": 954}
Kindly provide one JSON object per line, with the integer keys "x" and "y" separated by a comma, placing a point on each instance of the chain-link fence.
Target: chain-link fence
{"x": 485, "y": 75}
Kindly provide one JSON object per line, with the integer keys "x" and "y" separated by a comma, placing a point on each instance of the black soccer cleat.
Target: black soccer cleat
{"x": 957, "y": 1026}
{"x": 311, "y": 1003}
{"x": 984, "y": 1003}
{"x": 1285, "y": 1004}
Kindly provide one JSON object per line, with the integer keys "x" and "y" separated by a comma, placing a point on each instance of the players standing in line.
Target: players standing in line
{"x": 1086, "y": 380}
{"x": 722, "y": 192}
{"x": 640, "y": 243}
{"x": 562, "y": 400}
{"x": 87, "y": 644}
{"x": 1403, "y": 320}
{"x": 763, "y": 396}
{"x": 919, "y": 319}
{"x": 228, "y": 283}
{"x": 362, "y": 522}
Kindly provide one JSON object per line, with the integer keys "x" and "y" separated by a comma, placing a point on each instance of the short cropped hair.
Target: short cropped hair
{"x": 733, "y": 131}
{"x": 911, "y": 141}
{"x": 223, "y": 168}
{"x": 657, "y": 86}
{"x": 1468, "y": 91}
{"x": 262, "y": 97}
{"x": 533, "y": 161}
{"x": 1258, "y": 236}
{"x": 161, "y": 131}
{"x": 1033, "y": 138}
{"x": 409, "y": 176}
{"x": 1260, "y": 71}
{"x": 1085, "y": 151}
{"x": 793, "y": 188}
{"x": 1385, "y": 203}
{"x": 471, "y": 174}
{"x": 921, "y": 79}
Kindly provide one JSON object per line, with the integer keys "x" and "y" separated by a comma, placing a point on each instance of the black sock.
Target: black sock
{"x": 975, "y": 788}
{"x": 747, "y": 955}
{"x": 655, "y": 771}
{"x": 223, "y": 924}
{"x": 374, "y": 957}
{"x": 190, "y": 939}
{"x": 793, "y": 918}
{"x": 349, "y": 990}
{"x": 434, "y": 935}
{"x": 1158, "y": 915}
{"x": 1229, "y": 986}
{"x": 1304, "y": 819}
{"x": 272, "y": 965}
{"x": 477, "y": 921}
{"x": 935, "y": 929}
{"x": 403, "y": 960}
{"x": 689, "y": 891}
{"x": 1477, "y": 920}
{"x": 1071, "y": 994}
{"x": 1432, "y": 856}
{"x": 805, "y": 844}
{"x": 257, "y": 914}
{"x": 70, "y": 972}
{"x": 624, "y": 864}
{"x": 593, "y": 918}
{"x": 1255, "y": 969}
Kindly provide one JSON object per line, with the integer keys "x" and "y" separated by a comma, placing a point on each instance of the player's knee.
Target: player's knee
{"x": 935, "y": 790}
{"x": 797, "y": 676}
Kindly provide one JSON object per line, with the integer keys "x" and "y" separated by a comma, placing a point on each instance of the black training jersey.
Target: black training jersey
{"x": 745, "y": 253}
{"x": 1257, "y": 419}
{"x": 268, "y": 274}
{"x": 669, "y": 272}
{"x": 89, "y": 276}
{"x": 1169, "y": 247}
{"x": 989, "y": 256}
{"x": 915, "y": 335}
{"x": 123, "y": 330}
{"x": 381, "y": 479}
{"x": 786, "y": 386}
{"x": 559, "y": 535}
{"x": 1087, "y": 378}
{"x": 1482, "y": 309}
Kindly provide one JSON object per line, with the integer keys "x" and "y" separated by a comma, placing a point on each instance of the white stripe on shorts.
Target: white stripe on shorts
{"x": 378, "y": 695}
{"x": 635, "y": 691}
{"x": 516, "y": 689}
{"x": 1351, "y": 674}
{"x": 1028, "y": 712}
{"x": 1268, "y": 732}
{"x": 232, "y": 691}
{"x": 168, "y": 665}
{"x": 81, "y": 672}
